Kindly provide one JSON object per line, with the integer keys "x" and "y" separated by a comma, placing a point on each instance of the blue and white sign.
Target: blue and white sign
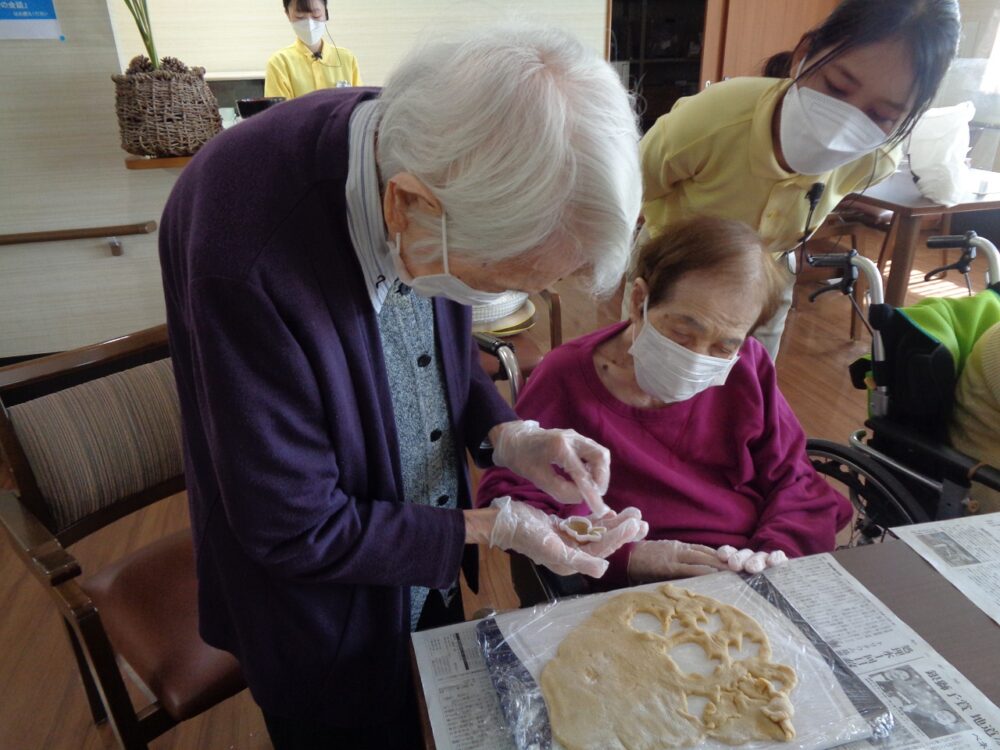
{"x": 29, "y": 19}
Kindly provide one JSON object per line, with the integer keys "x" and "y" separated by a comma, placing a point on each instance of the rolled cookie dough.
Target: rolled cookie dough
{"x": 613, "y": 686}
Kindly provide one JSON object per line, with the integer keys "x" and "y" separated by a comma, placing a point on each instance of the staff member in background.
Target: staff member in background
{"x": 317, "y": 287}
{"x": 751, "y": 148}
{"x": 312, "y": 63}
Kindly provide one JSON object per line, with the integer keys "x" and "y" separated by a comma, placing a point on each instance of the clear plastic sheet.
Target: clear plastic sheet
{"x": 832, "y": 705}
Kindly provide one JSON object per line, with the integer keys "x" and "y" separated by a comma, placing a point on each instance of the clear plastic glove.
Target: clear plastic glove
{"x": 533, "y": 452}
{"x": 661, "y": 559}
{"x": 522, "y": 528}
{"x": 748, "y": 561}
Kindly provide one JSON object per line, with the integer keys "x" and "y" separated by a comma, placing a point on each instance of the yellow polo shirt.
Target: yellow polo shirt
{"x": 713, "y": 154}
{"x": 293, "y": 71}
{"x": 975, "y": 420}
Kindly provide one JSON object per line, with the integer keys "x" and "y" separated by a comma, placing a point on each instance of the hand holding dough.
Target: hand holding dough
{"x": 522, "y": 528}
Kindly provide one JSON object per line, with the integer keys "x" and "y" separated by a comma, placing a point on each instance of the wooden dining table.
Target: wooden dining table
{"x": 900, "y": 195}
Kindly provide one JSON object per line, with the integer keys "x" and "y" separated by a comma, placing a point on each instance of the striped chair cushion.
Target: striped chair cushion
{"x": 94, "y": 444}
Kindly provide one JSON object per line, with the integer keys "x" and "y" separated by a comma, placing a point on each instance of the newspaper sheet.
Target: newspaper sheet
{"x": 966, "y": 551}
{"x": 933, "y": 704}
{"x": 462, "y": 705}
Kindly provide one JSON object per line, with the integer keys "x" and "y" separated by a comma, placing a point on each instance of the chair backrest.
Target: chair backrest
{"x": 93, "y": 434}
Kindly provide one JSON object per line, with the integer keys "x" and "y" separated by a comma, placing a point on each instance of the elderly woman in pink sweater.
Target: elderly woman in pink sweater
{"x": 702, "y": 441}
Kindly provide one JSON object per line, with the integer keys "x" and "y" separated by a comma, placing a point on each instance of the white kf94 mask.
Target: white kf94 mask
{"x": 820, "y": 133}
{"x": 441, "y": 284}
{"x": 309, "y": 30}
{"x": 670, "y": 372}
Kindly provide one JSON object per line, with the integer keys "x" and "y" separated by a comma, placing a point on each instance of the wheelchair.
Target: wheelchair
{"x": 899, "y": 469}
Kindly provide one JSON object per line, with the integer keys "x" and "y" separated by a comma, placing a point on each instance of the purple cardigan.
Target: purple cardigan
{"x": 305, "y": 548}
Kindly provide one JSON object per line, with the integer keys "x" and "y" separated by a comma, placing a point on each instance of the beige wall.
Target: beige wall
{"x": 239, "y": 35}
{"x": 61, "y": 167}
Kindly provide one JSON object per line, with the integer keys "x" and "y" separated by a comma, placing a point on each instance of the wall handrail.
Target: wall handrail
{"x": 84, "y": 233}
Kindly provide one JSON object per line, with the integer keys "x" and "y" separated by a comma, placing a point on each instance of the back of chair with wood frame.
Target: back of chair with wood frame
{"x": 27, "y": 381}
{"x": 40, "y": 540}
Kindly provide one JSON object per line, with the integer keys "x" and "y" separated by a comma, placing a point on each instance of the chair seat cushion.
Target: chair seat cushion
{"x": 148, "y": 605}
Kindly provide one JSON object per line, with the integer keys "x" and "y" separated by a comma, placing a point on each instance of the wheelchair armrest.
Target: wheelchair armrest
{"x": 960, "y": 467}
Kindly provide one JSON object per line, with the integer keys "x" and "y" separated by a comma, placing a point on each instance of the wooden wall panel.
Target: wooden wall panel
{"x": 716, "y": 15}
{"x": 756, "y": 29}
{"x": 239, "y": 35}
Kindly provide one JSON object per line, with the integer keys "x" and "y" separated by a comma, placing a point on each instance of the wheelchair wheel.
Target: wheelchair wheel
{"x": 880, "y": 500}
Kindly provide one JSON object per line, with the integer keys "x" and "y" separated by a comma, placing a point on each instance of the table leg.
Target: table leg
{"x": 905, "y": 247}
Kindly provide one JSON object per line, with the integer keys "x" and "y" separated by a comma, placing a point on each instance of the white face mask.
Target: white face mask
{"x": 441, "y": 284}
{"x": 670, "y": 372}
{"x": 309, "y": 30}
{"x": 820, "y": 133}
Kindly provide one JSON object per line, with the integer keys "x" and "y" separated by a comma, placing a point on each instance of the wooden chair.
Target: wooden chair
{"x": 90, "y": 436}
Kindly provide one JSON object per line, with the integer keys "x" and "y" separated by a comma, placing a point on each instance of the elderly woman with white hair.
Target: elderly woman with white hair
{"x": 318, "y": 261}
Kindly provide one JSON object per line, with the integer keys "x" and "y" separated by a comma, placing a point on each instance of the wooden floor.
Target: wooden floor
{"x": 43, "y": 704}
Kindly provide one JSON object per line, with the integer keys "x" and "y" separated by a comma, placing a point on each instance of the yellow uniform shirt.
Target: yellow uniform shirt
{"x": 294, "y": 71}
{"x": 713, "y": 154}
{"x": 975, "y": 420}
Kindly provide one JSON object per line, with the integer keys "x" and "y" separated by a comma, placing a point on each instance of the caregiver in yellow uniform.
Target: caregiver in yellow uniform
{"x": 312, "y": 63}
{"x": 834, "y": 112}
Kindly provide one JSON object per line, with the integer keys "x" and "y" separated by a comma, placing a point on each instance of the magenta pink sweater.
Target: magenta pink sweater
{"x": 725, "y": 467}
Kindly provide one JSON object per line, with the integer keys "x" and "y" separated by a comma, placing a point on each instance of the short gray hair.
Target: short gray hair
{"x": 527, "y": 138}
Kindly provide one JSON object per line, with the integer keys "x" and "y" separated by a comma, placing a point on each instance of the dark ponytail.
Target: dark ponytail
{"x": 779, "y": 65}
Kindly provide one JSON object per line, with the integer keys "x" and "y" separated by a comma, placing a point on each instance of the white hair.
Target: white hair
{"x": 527, "y": 138}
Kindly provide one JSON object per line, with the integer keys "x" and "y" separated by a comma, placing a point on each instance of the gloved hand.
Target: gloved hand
{"x": 748, "y": 561}
{"x": 523, "y": 528}
{"x": 528, "y": 450}
{"x": 660, "y": 559}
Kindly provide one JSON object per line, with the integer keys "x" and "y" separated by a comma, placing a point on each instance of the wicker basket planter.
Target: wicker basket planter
{"x": 166, "y": 112}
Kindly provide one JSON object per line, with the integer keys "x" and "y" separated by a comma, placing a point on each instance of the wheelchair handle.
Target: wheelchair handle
{"x": 971, "y": 241}
{"x": 947, "y": 240}
{"x": 829, "y": 260}
{"x": 845, "y": 260}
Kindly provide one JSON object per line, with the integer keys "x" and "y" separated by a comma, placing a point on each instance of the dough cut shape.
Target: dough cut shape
{"x": 582, "y": 529}
{"x": 612, "y": 686}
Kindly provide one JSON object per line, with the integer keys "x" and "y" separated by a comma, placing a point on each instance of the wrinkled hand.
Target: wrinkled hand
{"x": 661, "y": 559}
{"x": 748, "y": 561}
{"x": 522, "y": 528}
{"x": 528, "y": 450}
